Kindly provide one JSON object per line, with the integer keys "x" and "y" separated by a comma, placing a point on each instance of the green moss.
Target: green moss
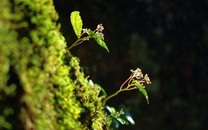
{"x": 41, "y": 84}
{"x": 93, "y": 116}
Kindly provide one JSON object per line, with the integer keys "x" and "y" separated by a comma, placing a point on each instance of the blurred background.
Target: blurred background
{"x": 167, "y": 39}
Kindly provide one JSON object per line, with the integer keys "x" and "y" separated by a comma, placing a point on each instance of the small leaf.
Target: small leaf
{"x": 144, "y": 92}
{"x": 129, "y": 117}
{"x": 98, "y": 39}
{"x": 112, "y": 110}
{"x": 122, "y": 121}
{"x": 76, "y": 22}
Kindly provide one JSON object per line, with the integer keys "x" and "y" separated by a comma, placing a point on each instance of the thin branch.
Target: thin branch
{"x": 79, "y": 41}
{"x": 125, "y": 82}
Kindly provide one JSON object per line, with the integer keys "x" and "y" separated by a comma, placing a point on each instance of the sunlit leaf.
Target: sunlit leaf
{"x": 98, "y": 39}
{"x": 112, "y": 110}
{"x": 122, "y": 121}
{"x": 144, "y": 92}
{"x": 76, "y": 22}
{"x": 129, "y": 117}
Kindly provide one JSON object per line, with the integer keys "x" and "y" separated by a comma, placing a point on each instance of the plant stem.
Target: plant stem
{"x": 120, "y": 90}
{"x": 79, "y": 41}
{"x": 112, "y": 95}
{"x": 125, "y": 82}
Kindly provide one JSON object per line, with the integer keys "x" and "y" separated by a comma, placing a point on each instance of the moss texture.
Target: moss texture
{"x": 42, "y": 86}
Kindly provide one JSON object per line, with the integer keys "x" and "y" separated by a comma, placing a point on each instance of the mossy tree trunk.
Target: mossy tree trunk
{"x": 41, "y": 84}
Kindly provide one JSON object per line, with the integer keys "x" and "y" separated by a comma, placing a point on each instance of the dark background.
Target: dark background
{"x": 167, "y": 39}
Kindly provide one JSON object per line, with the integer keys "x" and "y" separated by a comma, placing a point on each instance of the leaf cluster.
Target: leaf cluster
{"x": 97, "y": 34}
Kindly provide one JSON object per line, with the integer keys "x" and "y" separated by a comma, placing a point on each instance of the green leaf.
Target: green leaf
{"x": 122, "y": 121}
{"x": 112, "y": 110}
{"x": 76, "y": 22}
{"x": 98, "y": 39}
{"x": 144, "y": 92}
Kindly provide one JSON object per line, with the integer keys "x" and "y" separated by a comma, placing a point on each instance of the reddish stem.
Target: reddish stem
{"x": 125, "y": 82}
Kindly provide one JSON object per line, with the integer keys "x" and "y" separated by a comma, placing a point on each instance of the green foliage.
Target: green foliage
{"x": 118, "y": 117}
{"x": 135, "y": 81}
{"x": 97, "y": 34}
{"x": 143, "y": 91}
{"x": 76, "y": 22}
{"x": 98, "y": 38}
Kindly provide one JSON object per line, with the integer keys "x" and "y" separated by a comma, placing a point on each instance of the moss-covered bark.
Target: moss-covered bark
{"x": 41, "y": 84}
